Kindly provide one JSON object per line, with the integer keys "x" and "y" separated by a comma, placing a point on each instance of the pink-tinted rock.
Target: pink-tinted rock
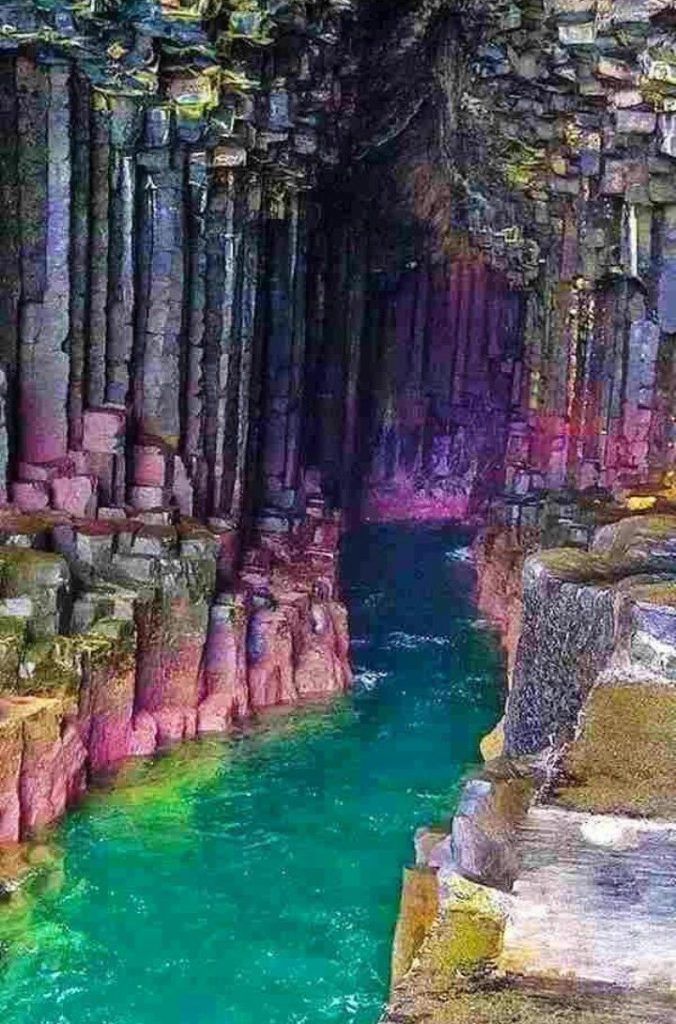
{"x": 107, "y": 707}
{"x": 143, "y": 736}
{"x": 170, "y": 724}
{"x": 270, "y": 659}
{"x": 401, "y": 504}
{"x": 108, "y": 740}
{"x": 225, "y": 673}
{"x": 172, "y": 631}
{"x": 11, "y": 750}
{"x": 214, "y": 715}
{"x": 341, "y": 633}
{"x": 30, "y": 497}
{"x": 29, "y": 472}
{"x": 44, "y": 427}
{"x": 182, "y": 489}
{"x": 321, "y": 664}
{"x": 77, "y": 464}
{"x": 150, "y": 466}
{"x": 325, "y": 536}
{"x": 53, "y": 766}
{"x": 194, "y": 666}
{"x": 110, "y": 513}
{"x": 103, "y": 430}
{"x": 101, "y": 466}
{"x": 175, "y": 724}
{"x": 75, "y": 495}
{"x": 499, "y": 557}
{"x": 146, "y": 498}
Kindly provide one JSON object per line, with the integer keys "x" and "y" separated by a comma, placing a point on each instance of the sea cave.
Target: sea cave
{"x": 337, "y": 511}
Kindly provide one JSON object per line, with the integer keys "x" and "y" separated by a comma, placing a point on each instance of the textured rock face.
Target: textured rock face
{"x": 157, "y": 167}
{"x": 167, "y": 553}
{"x": 561, "y": 846}
{"x": 567, "y": 638}
{"x": 261, "y": 260}
{"x": 127, "y": 641}
{"x": 411, "y": 260}
{"x": 538, "y": 154}
{"x": 425, "y": 257}
{"x": 442, "y": 379}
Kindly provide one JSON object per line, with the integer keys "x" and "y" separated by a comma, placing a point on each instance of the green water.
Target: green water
{"x": 256, "y": 880}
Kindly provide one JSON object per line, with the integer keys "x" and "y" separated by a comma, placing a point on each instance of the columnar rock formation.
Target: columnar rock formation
{"x": 117, "y": 638}
{"x": 534, "y": 167}
{"x": 168, "y": 558}
{"x": 266, "y": 261}
{"x": 425, "y": 251}
{"x": 155, "y": 174}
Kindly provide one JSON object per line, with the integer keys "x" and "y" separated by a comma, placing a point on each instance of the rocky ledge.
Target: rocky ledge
{"x": 550, "y": 896}
{"x": 119, "y": 637}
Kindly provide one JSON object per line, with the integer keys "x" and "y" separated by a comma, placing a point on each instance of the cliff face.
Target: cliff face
{"x": 167, "y": 555}
{"x": 423, "y": 251}
{"x": 528, "y": 345}
{"x": 561, "y": 846}
{"x": 117, "y": 639}
{"x": 157, "y": 161}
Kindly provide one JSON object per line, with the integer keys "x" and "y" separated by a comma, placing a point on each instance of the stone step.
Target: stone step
{"x": 594, "y": 900}
{"x": 517, "y": 1000}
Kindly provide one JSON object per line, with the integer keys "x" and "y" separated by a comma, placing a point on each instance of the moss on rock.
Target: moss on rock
{"x": 624, "y": 759}
{"x": 501, "y": 1001}
{"x": 493, "y": 743}
{"x": 468, "y": 936}
{"x": 417, "y": 912}
{"x": 22, "y": 570}
{"x": 576, "y": 566}
{"x": 12, "y": 641}
{"x": 56, "y": 665}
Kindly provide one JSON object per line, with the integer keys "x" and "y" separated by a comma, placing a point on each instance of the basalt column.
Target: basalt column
{"x": 44, "y": 121}
{"x": 282, "y": 377}
{"x": 441, "y": 376}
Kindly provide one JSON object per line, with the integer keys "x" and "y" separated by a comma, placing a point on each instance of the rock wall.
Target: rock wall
{"x": 524, "y": 290}
{"x": 560, "y": 846}
{"x": 156, "y": 178}
{"x": 582, "y": 94}
{"x": 167, "y": 549}
{"x": 424, "y": 254}
{"x": 440, "y": 378}
{"x": 119, "y": 638}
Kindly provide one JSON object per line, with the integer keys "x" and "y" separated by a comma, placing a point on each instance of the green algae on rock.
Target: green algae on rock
{"x": 623, "y": 759}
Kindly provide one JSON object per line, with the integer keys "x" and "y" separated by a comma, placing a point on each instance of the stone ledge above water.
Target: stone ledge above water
{"x": 133, "y": 635}
{"x": 554, "y": 880}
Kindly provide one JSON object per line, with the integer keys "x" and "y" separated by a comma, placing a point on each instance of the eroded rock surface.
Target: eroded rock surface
{"x": 554, "y": 881}
{"x": 127, "y": 641}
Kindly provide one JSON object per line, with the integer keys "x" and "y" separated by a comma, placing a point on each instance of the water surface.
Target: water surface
{"x": 256, "y": 880}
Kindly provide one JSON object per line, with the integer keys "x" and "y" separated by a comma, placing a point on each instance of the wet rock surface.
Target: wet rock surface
{"x": 117, "y": 648}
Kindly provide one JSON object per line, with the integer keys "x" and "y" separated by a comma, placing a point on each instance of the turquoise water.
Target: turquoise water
{"x": 256, "y": 880}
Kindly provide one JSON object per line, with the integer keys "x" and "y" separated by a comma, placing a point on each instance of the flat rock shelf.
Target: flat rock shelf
{"x": 257, "y": 878}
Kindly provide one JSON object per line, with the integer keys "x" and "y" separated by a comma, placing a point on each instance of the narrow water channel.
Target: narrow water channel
{"x": 256, "y": 880}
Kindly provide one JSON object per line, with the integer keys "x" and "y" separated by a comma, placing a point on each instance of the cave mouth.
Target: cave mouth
{"x": 398, "y": 259}
{"x": 267, "y": 262}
